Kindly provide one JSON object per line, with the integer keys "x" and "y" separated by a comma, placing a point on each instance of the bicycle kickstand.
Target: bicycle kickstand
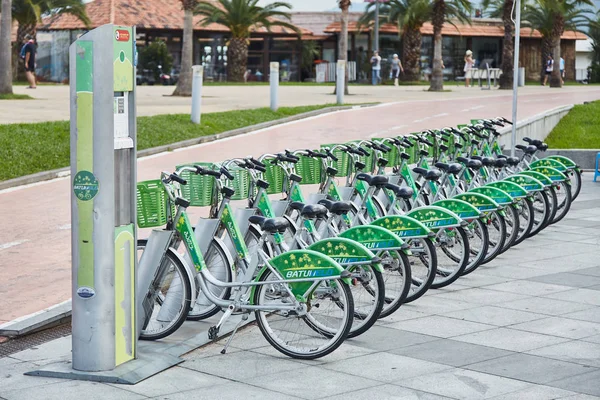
{"x": 213, "y": 331}
{"x": 244, "y": 318}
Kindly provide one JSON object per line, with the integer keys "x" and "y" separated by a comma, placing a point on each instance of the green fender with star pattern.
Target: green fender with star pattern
{"x": 435, "y": 217}
{"x": 527, "y": 182}
{"x": 302, "y": 266}
{"x": 539, "y": 176}
{"x": 548, "y": 162}
{"x": 498, "y": 195}
{"x": 345, "y": 252}
{"x": 404, "y": 226}
{"x": 567, "y": 162}
{"x": 374, "y": 237}
{"x": 515, "y": 191}
{"x": 460, "y": 207}
{"x": 552, "y": 173}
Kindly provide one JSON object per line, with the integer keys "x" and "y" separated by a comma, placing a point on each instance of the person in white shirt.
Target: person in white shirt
{"x": 376, "y": 67}
{"x": 549, "y": 68}
{"x": 562, "y": 70}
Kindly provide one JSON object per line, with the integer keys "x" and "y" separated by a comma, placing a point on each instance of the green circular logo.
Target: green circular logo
{"x": 85, "y": 186}
{"x": 122, "y": 56}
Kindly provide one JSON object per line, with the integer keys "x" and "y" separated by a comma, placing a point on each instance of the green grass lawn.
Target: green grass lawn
{"x": 579, "y": 129}
{"x": 13, "y": 96}
{"x": 29, "y": 148}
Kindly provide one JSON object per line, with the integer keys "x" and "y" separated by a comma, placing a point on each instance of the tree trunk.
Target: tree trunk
{"x": 237, "y": 58}
{"x": 411, "y": 55}
{"x": 508, "y": 50}
{"x": 5, "y": 48}
{"x": 184, "y": 84}
{"x": 557, "y": 31}
{"x": 546, "y": 49}
{"x": 437, "y": 75}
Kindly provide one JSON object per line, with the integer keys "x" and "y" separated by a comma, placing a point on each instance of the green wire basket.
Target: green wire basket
{"x": 367, "y": 160}
{"x": 152, "y": 200}
{"x": 391, "y": 156}
{"x": 411, "y": 151}
{"x": 309, "y": 169}
{"x": 200, "y": 189}
{"x": 342, "y": 163}
{"x": 240, "y": 183}
{"x": 274, "y": 175}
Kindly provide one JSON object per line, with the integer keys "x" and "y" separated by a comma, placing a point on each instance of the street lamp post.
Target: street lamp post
{"x": 513, "y": 139}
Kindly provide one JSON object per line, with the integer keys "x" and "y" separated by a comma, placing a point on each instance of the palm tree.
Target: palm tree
{"x": 241, "y": 17}
{"x": 444, "y": 11}
{"x": 184, "y": 83}
{"x": 503, "y": 9}
{"x": 5, "y": 48}
{"x": 594, "y": 34}
{"x": 551, "y": 18}
{"x": 343, "y": 40}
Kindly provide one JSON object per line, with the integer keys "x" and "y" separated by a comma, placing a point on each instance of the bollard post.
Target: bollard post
{"x": 198, "y": 74}
{"x": 340, "y": 81}
{"x": 274, "y": 82}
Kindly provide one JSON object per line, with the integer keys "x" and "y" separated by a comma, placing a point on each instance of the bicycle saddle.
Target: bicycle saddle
{"x": 443, "y": 147}
{"x": 271, "y": 225}
{"x": 488, "y": 161}
{"x": 373, "y": 180}
{"x": 463, "y": 160}
{"x": 336, "y": 207}
{"x": 429, "y": 175}
{"x": 474, "y": 164}
{"x": 526, "y": 149}
{"x": 424, "y": 153}
{"x": 543, "y": 147}
{"x": 332, "y": 171}
{"x": 400, "y": 192}
{"x": 453, "y": 168}
{"x": 312, "y": 211}
{"x": 533, "y": 142}
{"x": 404, "y": 156}
{"x": 458, "y": 145}
{"x": 297, "y": 205}
{"x": 512, "y": 161}
{"x": 500, "y": 162}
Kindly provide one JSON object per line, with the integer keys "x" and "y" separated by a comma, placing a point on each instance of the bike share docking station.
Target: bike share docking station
{"x": 103, "y": 211}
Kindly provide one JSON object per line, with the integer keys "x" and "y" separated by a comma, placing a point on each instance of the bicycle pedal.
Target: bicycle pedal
{"x": 213, "y": 332}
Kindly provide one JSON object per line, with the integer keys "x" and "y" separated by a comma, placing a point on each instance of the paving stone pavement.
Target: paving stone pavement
{"x": 526, "y": 326}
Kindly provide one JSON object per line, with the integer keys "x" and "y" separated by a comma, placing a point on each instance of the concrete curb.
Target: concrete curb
{"x": 63, "y": 172}
{"x": 37, "y": 321}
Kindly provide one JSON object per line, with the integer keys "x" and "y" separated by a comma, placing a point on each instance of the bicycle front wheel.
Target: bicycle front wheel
{"x": 479, "y": 242}
{"x": 564, "y": 199}
{"x": 512, "y": 227}
{"x": 368, "y": 293}
{"x": 423, "y": 267}
{"x": 167, "y": 301}
{"x": 541, "y": 212}
{"x": 526, "y": 219}
{"x": 496, "y": 225}
{"x": 397, "y": 278}
{"x": 452, "y": 246}
{"x": 321, "y": 329}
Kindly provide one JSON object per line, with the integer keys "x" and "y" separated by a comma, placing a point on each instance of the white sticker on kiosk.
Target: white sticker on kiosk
{"x": 121, "y": 121}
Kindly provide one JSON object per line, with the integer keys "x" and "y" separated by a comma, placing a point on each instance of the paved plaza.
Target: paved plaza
{"x": 526, "y": 326}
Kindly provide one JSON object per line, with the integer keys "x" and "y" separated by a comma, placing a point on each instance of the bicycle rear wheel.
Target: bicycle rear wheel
{"x": 564, "y": 199}
{"x": 321, "y": 330}
{"x": 452, "y": 247}
{"x": 397, "y": 278}
{"x": 526, "y": 219}
{"x": 368, "y": 293}
{"x": 167, "y": 301}
{"x": 497, "y": 233}
{"x": 479, "y": 242}
{"x": 576, "y": 183}
{"x": 512, "y": 227}
{"x": 423, "y": 267}
{"x": 541, "y": 212}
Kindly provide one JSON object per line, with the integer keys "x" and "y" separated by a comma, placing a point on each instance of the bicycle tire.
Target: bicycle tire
{"x": 478, "y": 253}
{"x": 564, "y": 206}
{"x": 401, "y": 265}
{"x": 371, "y": 283}
{"x": 203, "y": 308}
{"x": 496, "y": 223}
{"x": 420, "y": 286}
{"x": 513, "y": 223}
{"x": 526, "y": 219}
{"x": 333, "y": 339}
{"x": 170, "y": 258}
{"x": 448, "y": 272}
{"x": 542, "y": 211}
{"x": 576, "y": 183}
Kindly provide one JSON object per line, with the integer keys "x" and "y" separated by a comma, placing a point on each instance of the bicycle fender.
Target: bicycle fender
{"x": 527, "y": 182}
{"x": 191, "y": 272}
{"x": 346, "y": 252}
{"x": 511, "y": 188}
{"x": 435, "y": 217}
{"x": 552, "y": 173}
{"x": 481, "y": 202}
{"x": 403, "y": 226}
{"x": 498, "y": 195}
{"x": 464, "y": 209}
{"x": 301, "y": 264}
{"x": 547, "y": 182}
{"x": 566, "y": 161}
{"x": 374, "y": 237}
{"x": 548, "y": 162}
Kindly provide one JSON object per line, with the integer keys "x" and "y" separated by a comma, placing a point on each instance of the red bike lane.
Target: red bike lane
{"x": 35, "y": 262}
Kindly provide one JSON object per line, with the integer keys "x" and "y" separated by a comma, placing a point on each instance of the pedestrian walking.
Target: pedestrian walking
{"x": 549, "y": 68}
{"x": 468, "y": 66}
{"x": 376, "y": 67}
{"x": 562, "y": 70}
{"x": 29, "y": 54}
{"x": 396, "y": 68}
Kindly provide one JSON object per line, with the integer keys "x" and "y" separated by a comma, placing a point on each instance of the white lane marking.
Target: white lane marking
{"x": 13, "y": 189}
{"x": 440, "y": 115}
{"x": 395, "y": 128}
{"x": 8, "y": 245}
{"x": 64, "y": 227}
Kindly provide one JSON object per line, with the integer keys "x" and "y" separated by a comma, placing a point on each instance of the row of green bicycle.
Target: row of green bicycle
{"x": 321, "y": 263}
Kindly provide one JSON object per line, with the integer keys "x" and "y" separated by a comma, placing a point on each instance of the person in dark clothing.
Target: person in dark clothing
{"x": 29, "y": 51}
